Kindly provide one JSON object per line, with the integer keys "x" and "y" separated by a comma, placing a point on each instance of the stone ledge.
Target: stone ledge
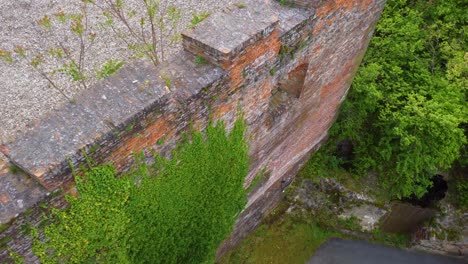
{"x": 100, "y": 114}
{"x": 18, "y": 192}
{"x": 224, "y": 36}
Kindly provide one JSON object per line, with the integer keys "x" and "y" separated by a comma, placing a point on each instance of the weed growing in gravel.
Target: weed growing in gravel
{"x": 68, "y": 56}
{"x": 241, "y": 5}
{"x": 167, "y": 80}
{"x": 5, "y": 55}
{"x": 109, "y": 68}
{"x": 146, "y": 28}
{"x": 197, "y": 18}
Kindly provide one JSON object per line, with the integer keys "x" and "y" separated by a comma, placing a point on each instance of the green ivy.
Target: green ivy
{"x": 172, "y": 211}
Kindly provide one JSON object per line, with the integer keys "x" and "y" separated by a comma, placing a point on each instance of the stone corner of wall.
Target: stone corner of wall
{"x": 226, "y": 38}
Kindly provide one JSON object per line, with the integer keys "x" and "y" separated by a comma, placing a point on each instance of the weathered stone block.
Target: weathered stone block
{"x": 223, "y": 37}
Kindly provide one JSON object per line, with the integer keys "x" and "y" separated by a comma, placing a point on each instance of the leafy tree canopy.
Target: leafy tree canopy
{"x": 407, "y": 109}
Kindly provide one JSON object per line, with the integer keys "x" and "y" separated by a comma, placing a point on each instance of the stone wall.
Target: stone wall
{"x": 287, "y": 68}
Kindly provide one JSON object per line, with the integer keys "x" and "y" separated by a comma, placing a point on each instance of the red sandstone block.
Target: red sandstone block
{"x": 224, "y": 37}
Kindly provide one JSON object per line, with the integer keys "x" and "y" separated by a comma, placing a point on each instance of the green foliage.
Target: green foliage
{"x": 272, "y": 71}
{"x": 406, "y": 110}
{"x": 395, "y": 240}
{"x": 287, "y": 239}
{"x": 37, "y": 60}
{"x": 199, "y": 60}
{"x": 173, "y": 211}
{"x": 130, "y": 127}
{"x": 3, "y": 227}
{"x": 241, "y": 5}
{"x": 460, "y": 188}
{"x": 14, "y": 169}
{"x": 145, "y": 27}
{"x": 322, "y": 163}
{"x": 285, "y": 52}
{"x": 286, "y": 3}
{"x": 294, "y": 237}
{"x": 45, "y": 22}
{"x": 167, "y": 80}
{"x": 73, "y": 71}
{"x": 258, "y": 180}
{"x": 350, "y": 223}
{"x": 5, "y": 55}
{"x": 95, "y": 226}
{"x": 77, "y": 26}
{"x": 4, "y": 242}
{"x": 16, "y": 258}
{"x": 109, "y": 68}
{"x": 160, "y": 141}
{"x": 61, "y": 17}
{"x": 197, "y": 18}
{"x": 20, "y": 51}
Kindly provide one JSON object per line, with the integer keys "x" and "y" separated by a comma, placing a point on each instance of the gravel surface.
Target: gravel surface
{"x": 24, "y": 94}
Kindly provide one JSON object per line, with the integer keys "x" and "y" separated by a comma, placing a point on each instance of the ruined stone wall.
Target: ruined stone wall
{"x": 340, "y": 36}
{"x": 287, "y": 68}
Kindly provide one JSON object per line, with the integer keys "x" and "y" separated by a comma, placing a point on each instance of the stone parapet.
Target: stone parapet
{"x": 224, "y": 38}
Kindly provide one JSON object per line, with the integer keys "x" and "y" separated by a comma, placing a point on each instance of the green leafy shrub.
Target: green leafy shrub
{"x": 461, "y": 192}
{"x": 174, "y": 211}
{"x": 321, "y": 164}
{"x": 407, "y": 108}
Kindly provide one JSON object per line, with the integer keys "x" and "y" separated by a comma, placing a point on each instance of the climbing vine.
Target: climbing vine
{"x": 172, "y": 211}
